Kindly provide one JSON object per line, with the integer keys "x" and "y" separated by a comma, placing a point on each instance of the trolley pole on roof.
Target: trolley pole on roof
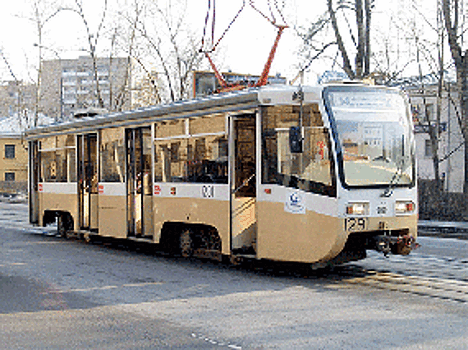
{"x": 266, "y": 69}
{"x": 263, "y": 80}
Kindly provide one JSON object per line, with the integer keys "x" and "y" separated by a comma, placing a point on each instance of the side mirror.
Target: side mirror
{"x": 295, "y": 139}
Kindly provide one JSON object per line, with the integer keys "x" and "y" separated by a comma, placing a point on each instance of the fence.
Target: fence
{"x": 443, "y": 206}
{"x": 11, "y": 187}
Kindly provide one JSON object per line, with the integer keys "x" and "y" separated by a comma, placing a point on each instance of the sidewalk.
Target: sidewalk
{"x": 445, "y": 229}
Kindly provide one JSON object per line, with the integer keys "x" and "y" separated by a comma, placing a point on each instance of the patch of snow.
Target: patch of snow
{"x": 14, "y": 125}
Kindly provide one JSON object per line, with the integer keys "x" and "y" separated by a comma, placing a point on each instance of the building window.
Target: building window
{"x": 9, "y": 176}
{"x": 427, "y": 149}
{"x": 10, "y": 151}
{"x": 422, "y": 113}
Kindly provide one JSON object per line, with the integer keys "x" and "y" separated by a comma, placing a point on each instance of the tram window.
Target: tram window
{"x": 48, "y": 167}
{"x": 208, "y": 161}
{"x": 170, "y": 128}
{"x": 49, "y": 143}
{"x": 157, "y": 162}
{"x": 202, "y": 160}
{"x": 207, "y": 124}
{"x": 61, "y": 161}
{"x": 311, "y": 170}
{"x": 200, "y": 155}
{"x": 175, "y": 152}
{"x": 58, "y": 160}
{"x": 71, "y": 165}
{"x": 112, "y": 155}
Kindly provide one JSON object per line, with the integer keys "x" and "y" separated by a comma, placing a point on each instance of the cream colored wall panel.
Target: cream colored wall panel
{"x": 393, "y": 223}
{"x": 112, "y": 189}
{"x": 112, "y": 216}
{"x": 148, "y": 215}
{"x": 58, "y": 187}
{"x": 192, "y": 210}
{"x": 59, "y": 202}
{"x": 94, "y": 215}
{"x": 244, "y": 222}
{"x": 308, "y": 237}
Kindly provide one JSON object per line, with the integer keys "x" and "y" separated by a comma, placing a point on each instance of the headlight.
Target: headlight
{"x": 357, "y": 209}
{"x": 404, "y": 207}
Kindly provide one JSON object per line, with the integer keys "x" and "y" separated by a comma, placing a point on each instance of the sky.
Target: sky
{"x": 243, "y": 50}
{"x": 249, "y": 40}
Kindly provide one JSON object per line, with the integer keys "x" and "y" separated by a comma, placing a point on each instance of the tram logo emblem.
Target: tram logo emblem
{"x": 295, "y": 203}
{"x": 207, "y": 191}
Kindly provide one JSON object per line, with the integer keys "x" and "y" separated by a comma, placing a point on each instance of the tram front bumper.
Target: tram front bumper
{"x": 401, "y": 245}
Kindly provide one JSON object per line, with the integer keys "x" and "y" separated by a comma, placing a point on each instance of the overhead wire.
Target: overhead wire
{"x": 272, "y": 19}
{"x": 213, "y": 10}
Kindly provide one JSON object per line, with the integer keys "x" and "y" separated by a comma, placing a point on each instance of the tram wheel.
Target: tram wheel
{"x": 63, "y": 225}
{"x": 186, "y": 243}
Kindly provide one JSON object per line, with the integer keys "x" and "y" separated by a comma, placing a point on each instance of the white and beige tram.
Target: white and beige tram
{"x": 283, "y": 173}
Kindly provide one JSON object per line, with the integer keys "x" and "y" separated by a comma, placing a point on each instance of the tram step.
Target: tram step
{"x": 246, "y": 256}
{"x": 141, "y": 239}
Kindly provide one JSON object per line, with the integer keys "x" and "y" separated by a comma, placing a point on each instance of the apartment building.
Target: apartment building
{"x": 74, "y": 86}
{"x": 16, "y": 98}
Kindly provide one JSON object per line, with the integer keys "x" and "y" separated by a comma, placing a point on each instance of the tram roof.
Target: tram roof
{"x": 219, "y": 103}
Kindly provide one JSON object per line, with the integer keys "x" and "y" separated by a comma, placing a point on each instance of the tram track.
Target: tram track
{"x": 434, "y": 287}
{"x": 420, "y": 275}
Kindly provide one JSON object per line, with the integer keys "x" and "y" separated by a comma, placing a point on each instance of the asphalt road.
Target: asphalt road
{"x": 67, "y": 294}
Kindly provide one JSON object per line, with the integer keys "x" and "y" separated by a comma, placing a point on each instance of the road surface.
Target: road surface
{"x": 58, "y": 293}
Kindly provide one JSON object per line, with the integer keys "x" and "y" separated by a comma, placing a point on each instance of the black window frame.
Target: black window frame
{"x": 10, "y": 151}
{"x": 8, "y": 174}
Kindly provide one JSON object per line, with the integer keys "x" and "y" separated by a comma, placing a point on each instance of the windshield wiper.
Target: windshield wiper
{"x": 396, "y": 177}
{"x": 398, "y": 173}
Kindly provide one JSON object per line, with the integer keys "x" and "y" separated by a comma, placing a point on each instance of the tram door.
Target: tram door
{"x": 34, "y": 162}
{"x": 87, "y": 181}
{"x": 139, "y": 183}
{"x": 243, "y": 184}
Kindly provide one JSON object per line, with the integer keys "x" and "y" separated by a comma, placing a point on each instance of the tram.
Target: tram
{"x": 313, "y": 175}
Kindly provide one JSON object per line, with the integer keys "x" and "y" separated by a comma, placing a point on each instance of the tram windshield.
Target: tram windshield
{"x": 374, "y": 135}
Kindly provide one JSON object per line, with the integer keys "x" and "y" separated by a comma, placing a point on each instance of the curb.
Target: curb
{"x": 443, "y": 229}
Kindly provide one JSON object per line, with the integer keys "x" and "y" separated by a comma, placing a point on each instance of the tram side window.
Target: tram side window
{"x": 200, "y": 158}
{"x": 313, "y": 169}
{"x": 71, "y": 165}
{"x": 48, "y": 167}
{"x": 112, "y": 155}
{"x": 208, "y": 160}
{"x": 61, "y": 159}
{"x": 58, "y": 164}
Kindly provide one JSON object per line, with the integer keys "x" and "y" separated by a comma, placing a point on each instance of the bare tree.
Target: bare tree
{"x": 431, "y": 54}
{"x": 13, "y": 91}
{"x": 170, "y": 40}
{"x": 42, "y": 13}
{"x": 93, "y": 41}
{"x": 452, "y": 12}
{"x": 349, "y": 39}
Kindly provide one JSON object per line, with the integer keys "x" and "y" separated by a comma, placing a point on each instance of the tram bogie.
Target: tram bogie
{"x": 310, "y": 175}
